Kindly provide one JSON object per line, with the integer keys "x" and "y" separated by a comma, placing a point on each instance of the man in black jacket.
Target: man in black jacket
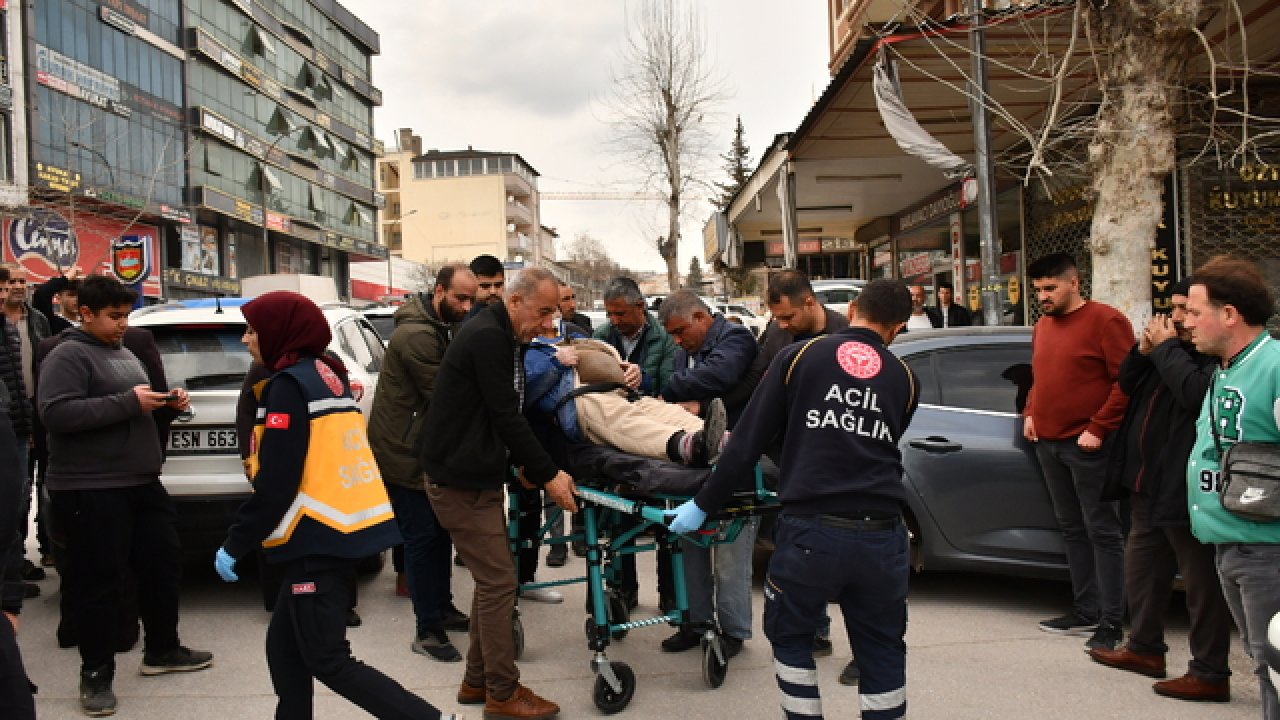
{"x": 948, "y": 314}
{"x": 1166, "y": 380}
{"x": 474, "y": 432}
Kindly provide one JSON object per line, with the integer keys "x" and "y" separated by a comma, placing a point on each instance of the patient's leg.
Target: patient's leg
{"x": 638, "y": 428}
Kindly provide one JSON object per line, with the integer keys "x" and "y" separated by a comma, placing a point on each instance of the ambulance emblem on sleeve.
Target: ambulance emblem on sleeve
{"x": 858, "y": 359}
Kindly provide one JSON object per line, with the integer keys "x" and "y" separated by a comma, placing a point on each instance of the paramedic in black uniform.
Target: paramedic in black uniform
{"x": 838, "y": 402}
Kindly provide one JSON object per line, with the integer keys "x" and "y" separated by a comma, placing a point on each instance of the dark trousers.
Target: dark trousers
{"x": 866, "y": 572}
{"x": 1153, "y": 555}
{"x": 110, "y": 534}
{"x": 16, "y": 701}
{"x": 307, "y": 639}
{"x": 528, "y": 524}
{"x": 474, "y": 519}
{"x": 427, "y": 561}
{"x": 1090, "y": 527}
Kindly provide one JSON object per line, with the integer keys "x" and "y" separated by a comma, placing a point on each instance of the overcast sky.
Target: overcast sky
{"x": 530, "y": 77}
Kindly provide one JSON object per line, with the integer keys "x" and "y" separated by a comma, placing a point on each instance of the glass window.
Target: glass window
{"x": 994, "y": 378}
{"x": 353, "y": 342}
{"x": 376, "y": 348}
{"x": 922, "y": 366}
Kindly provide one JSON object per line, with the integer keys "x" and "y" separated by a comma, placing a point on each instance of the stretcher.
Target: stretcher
{"x": 623, "y": 499}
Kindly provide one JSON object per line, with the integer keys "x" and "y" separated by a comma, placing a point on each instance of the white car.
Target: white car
{"x": 836, "y": 294}
{"x": 200, "y": 347}
{"x": 753, "y": 322}
{"x": 383, "y": 318}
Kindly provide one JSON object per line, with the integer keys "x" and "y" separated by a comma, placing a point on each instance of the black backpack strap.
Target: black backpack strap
{"x": 581, "y": 390}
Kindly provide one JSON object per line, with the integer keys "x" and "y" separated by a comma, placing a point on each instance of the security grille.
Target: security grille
{"x": 1059, "y": 211}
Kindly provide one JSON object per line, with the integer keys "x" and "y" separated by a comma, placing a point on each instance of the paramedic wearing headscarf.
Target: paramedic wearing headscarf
{"x": 318, "y": 506}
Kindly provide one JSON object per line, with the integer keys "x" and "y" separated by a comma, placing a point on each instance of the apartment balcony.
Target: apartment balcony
{"x": 518, "y": 212}
{"x": 519, "y": 242}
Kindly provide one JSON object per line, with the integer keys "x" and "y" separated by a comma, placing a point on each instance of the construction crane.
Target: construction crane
{"x": 600, "y": 196}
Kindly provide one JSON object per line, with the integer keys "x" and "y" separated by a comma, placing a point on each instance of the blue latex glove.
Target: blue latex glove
{"x": 225, "y": 565}
{"x": 687, "y": 518}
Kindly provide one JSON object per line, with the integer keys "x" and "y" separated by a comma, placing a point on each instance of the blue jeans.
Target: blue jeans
{"x": 427, "y": 550}
{"x": 1090, "y": 527}
{"x": 866, "y": 572}
{"x": 1251, "y": 584}
{"x": 729, "y": 591}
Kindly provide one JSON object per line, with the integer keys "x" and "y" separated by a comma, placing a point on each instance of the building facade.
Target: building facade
{"x": 184, "y": 144}
{"x": 452, "y": 206}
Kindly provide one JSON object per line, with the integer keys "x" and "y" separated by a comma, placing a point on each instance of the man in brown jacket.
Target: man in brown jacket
{"x": 405, "y": 386}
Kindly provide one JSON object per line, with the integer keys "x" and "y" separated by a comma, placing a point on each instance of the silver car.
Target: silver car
{"x": 976, "y": 499}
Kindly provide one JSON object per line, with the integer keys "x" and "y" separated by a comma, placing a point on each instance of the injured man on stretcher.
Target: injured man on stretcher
{"x": 581, "y": 382}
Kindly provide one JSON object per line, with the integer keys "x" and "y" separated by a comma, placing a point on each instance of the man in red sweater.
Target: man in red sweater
{"x": 1074, "y": 405}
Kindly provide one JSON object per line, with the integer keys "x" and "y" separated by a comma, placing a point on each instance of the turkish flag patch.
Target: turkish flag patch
{"x": 306, "y": 588}
{"x": 277, "y": 421}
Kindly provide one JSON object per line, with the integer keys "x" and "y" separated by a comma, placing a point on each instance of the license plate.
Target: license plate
{"x": 220, "y": 441}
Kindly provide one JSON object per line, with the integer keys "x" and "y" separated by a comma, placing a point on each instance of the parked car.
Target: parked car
{"x": 199, "y": 343}
{"x": 836, "y": 294}
{"x": 382, "y": 317}
{"x": 753, "y": 322}
{"x": 976, "y": 499}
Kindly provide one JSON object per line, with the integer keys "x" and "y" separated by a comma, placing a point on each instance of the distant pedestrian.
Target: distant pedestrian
{"x": 318, "y": 506}
{"x": 569, "y": 308}
{"x": 1071, "y": 411}
{"x": 948, "y": 313}
{"x": 104, "y": 482}
{"x": 1228, "y": 307}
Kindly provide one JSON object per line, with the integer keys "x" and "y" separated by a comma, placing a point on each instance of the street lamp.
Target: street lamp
{"x": 391, "y": 258}
{"x": 111, "y": 174}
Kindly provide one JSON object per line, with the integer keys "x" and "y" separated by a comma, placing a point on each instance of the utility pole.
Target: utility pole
{"x": 990, "y": 239}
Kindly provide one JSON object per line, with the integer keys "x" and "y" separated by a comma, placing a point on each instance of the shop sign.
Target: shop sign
{"x": 917, "y": 264}
{"x": 809, "y": 247}
{"x": 131, "y": 258}
{"x": 882, "y": 258}
{"x": 56, "y": 178}
{"x": 773, "y": 248}
{"x": 181, "y": 215}
{"x": 195, "y": 281}
{"x": 45, "y": 244}
{"x": 279, "y": 223}
{"x": 117, "y": 20}
{"x": 840, "y": 244}
{"x": 944, "y": 203}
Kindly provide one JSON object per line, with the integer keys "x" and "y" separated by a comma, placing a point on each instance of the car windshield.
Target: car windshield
{"x": 203, "y": 357}
{"x": 384, "y": 324}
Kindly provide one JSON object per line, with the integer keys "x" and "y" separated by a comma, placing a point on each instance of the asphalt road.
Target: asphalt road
{"x": 974, "y": 652}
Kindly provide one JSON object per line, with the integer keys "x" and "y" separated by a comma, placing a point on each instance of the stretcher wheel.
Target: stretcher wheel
{"x": 618, "y": 614}
{"x": 609, "y": 701}
{"x": 713, "y": 669}
{"x": 517, "y": 634}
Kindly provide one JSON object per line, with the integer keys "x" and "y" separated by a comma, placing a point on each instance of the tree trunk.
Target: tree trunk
{"x": 1144, "y": 45}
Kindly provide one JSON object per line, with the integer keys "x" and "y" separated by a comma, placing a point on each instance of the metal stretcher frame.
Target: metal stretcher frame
{"x": 613, "y": 523}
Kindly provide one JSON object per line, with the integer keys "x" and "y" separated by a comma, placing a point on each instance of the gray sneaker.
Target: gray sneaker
{"x": 435, "y": 645}
{"x": 96, "y": 697}
{"x": 179, "y": 659}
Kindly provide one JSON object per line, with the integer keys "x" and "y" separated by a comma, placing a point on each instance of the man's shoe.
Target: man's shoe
{"x": 30, "y": 590}
{"x": 470, "y": 694}
{"x": 522, "y": 705}
{"x": 821, "y": 646}
{"x": 46, "y": 560}
{"x": 32, "y": 572}
{"x": 732, "y": 646}
{"x": 632, "y": 597}
{"x": 457, "y": 560}
{"x": 353, "y": 618}
{"x": 542, "y": 595}
{"x": 179, "y": 659}
{"x": 455, "y": 620}
{"x": 713, "y": 431}
{"x": 96, "y": 697}
{"x": 1126, "y": 659}
{"x": 558, "y": 556}
{"x": 681, "y": 641}
{"x": 850, "y": 675}
{"x": 435, "y": 645}
{"x": 1106, "y": 637}
{"x": 579, "y": 548}
{"x": 1071, "y": 624}
{"x": 1190, "y": 687}
{"x": 402, "y": 585}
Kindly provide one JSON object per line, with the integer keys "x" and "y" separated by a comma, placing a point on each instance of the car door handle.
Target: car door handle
{"x": 933, "y": 443}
